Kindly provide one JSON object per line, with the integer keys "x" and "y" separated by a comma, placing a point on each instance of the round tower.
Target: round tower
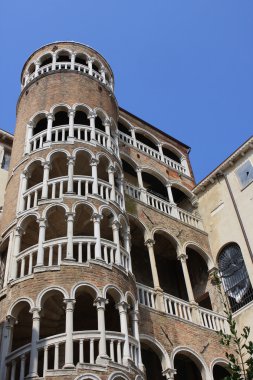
{"x": 70, "y": 298}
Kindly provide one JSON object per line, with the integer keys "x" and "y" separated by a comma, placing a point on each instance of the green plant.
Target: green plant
{"x": 240, "y": 355}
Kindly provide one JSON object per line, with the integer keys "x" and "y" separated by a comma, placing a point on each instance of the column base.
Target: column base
{"x": 103, "y": 360}
{"x": 69, "y": 366}
{"x": 69, "y": 259}
{"x": 71, "y": 139}
{"x": 69, "y": 193}
{"x": 47, "y": 144}
{"x": 32, "y": 376}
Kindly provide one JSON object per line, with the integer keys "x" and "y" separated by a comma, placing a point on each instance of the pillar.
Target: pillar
{"x": 132, "y": 130}
{"x": 184, "y": 163}
{"x": 107, "y": 125}
{"x": 69, "y": 333}
{"x": 17, "y": 243}
{"x": 42, "y": 234}
{"x": 71, "y": 162}
{"x": 50, "y": 119}
{"x": 127, "y": 246}
{"x": 6, "y": 343}
{"x": 70, "y": 223}
{"x": 54, "y": 60}
{"x": 90, "y": 61}
{"x": 169, "y": 191}
{"x": 102, "y": 72}
{"x": 37, "y": 66}
{"x": 73, "y": 57}
{"x": 92, "y": 116}
{"x": 46, "y": 166}
{"x": 100, "y": 304}
{"x": 71, "y": 114}
{"x": 123, "y": 308}
{"x": 115, "y": 230}
{"x": 24, "y": 180}
{"x": 159, "y": 146}
{"x": 183, "y": 257}
{"x": 96, "y": 218}
{"x": 33, "y": 366}
{"x": 111, "y": 171}
{"x": 143, "y": 196}
{"x": 94, "y": 173}
{"x": 29, "y": 135}
{"x": 135, "y": 326}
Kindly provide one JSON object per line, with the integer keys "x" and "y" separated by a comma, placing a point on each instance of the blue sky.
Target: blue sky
{"x": 185, "y": 66}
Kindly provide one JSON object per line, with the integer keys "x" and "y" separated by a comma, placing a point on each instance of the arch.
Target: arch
{"x": 22, "y": 331}
{"x": 39, "y": 123}
{"x": 99, "y": 155}
{"x": 158, "y": 349}
{"x": 193, "y": 245}
{"x": 22, "y": 220}
{"x": 48, "y": 289}
{"x": 156, "y": 173}
{"x": 64, "y": 52}
{"x": 54, "y": 108}
{"x": 129, "y": 296}
{"x": 55, "y": 151}
{"x": 174, "y": 149}
{"x": 147, "y": 232}
{"x": 36, "y": 116}
{"x": 129, "y": 160}
{"x": 40, "y": 159}
{"x": 169, "y": 234}
{"x": 195, "y": 357}
{"x": 183, "y": 188}
{"x": 118, "y": 376}
{"x": 101, "y": 113}
{"x": 102, "y": 208}
{"x": 81, "y": 106}
{"x": 12, "y": 311}
{"x": 86, "y": 203}
{"x": 31, "y": 68}
{"x": 145, "y": 133}
{"x": 46, "y": 58}
{"x": 80, "y": 149}
{"x": 88, "y": 376}
{"x": 52, "y": 205}
{"x": 85, "y": 284}
{"x": 81, "y": 58}
{"x": 115, "y": 291}
{"x": 96, "y": 65}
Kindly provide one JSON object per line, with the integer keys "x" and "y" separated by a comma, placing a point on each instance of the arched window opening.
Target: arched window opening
{"x": 145, "y": 140}
{"x": 55, "y": 229}
{"x": 152, "y": 363}
{"x": 117, "y": 178}
{"x": 234, "y": 276}
{"x": 112, "y": 319}
{"x": 130, "y": 323}
{"x": 85, "y": 313}
{"x": 82, "y": 164}
{"x": 181, "y": 199}
{"x": 130, "y": 174}
{"x": 168, "y": 266}
{"x": 96, "y": 66}
{"x": 81, "y": 59}
{"x": 30, "y": 233}
{"x": 46, "y": 60}
{"x": 106, "y": 225}
{"x": 35, "y": 174}
{"x": 99, "y": 124}
{"x": 186, "y": 368}
{"x": 31, "y": 69}
{"x": 139, "y": 254}
{"x": 124, "y": 129}
{"x": 168, "y": 153}
{"x": 154, "y": 186}
{"x": 83, "y": 226}
{"x": 61, "y": 118}
{"x": 40, "y": 126}
{"x": 58, "y": 165}
{"x": 81, "y": 118}
{"x": 3, "y": 259}
{"x": 63, "y": 56}
{"x": 102, "y": 168}
{"x": 198, "y": 272}
{"x": 22, "y": 330}
{"x": 220, "y": 372}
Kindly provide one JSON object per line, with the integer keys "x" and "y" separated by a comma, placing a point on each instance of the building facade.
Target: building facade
{"x": 6, "y": 140}
{"x": 106, "y": 265}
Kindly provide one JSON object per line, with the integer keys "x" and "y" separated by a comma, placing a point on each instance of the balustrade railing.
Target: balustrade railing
{"x": 152, "y": 152}
{"x": 51, "y": 352}
{"x": 60, "y": 134}
{"x": 161, "y": 205}
{"x": 182, "y": 309}
{"x": 67, "y": 66}
{"x": 55, "y": 252}
{"x": 82, "y": 186}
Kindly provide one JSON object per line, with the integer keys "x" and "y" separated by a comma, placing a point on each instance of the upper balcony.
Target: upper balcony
{"x": 65, "y": 59}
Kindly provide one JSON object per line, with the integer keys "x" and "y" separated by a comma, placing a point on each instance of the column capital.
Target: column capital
{"x": 149, "y": 243}
{"x": 138, "y": 170}
{"x": 70, "y": 215}
{"x": 71, "y": 160}
{"x": 35, "y": 311}
{"x": 71, "y": 112}
{"x": 10, "y": 320}
{"x": 100, "y": 302}
{"x": 42, "y": 222}
{"x": 46, "y": 163}
{"x": 159, "y": 144}
{"x": 122, "y": 306}
{"x": 134, "y": 314}
{"x": 94, "y": 161}
{"x": 168, "y": 184}
{"x": 70, "y": 303}
{"x": 169, "y": 373}
{"x": 19, "y": 231}
{"x": 37, "y": 62}
{"x": 26, "y": 174}
{"x": 50, "y": 116}
{"x": 107, "y": 122}
{"x": 91, "y": 115}
{"x": 182, "y": 257}
{"x": 111, "y": 169}
{"x": 30, "y": 123}
{"x": 90, "y": 59}
{"x": 96, "y": 217}
{"x": 116, "y": 225}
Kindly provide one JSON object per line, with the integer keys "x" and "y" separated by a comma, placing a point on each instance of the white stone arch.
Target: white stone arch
{"x": 104, "y": 154}
{"x": 86, "y": 203}
{"x": 113, "y": 288}
{"x": 52, "y": 205}
{"x": 125, "y": 122}
{"x": 26, "y": 216}
{"x": 101, "y": 113}
{"x": 167, "y": 233}
{"x": 130, "y": 161}
{"x": 124, "y": 220}
{"x": 108, "y": 207}
{"x": 118, "y": 376}
{"x": 129, "y": 295}
{"x": 88, "y": 376}
{"x": 44, "y": 54}
{"x": 28, "y": 300}
{"x": 41, "y": 159}
{"x": 55, "y": 151}
{"x": 49, "y": 289}
{"x": 114, "y": 126}
{"x": 57, "y": 52}
{"x": 173, "y": 149}
{"x": 158, "y": 349}
{"x": 118, "y": 167}
{"x": 139, "y": 377}
{"x": 86, "y": 285}
{"x": 97, "y": 63}
{"x": 196, "y": 358}
{"x": 183, "y": 188}
{"x": 206, "y": 257}
{"x": 155, "y": 173}
{"x": 81, "y": 149}
{"x": 147, "y": 134}
{"x": 82, "y": 106}
{"x": 34, "y": 117}
{"x": 147, "y": 232}
{"x": 80, "y": 52}
{"x": 59, "y": 105}
{"x": 223, "y": 362}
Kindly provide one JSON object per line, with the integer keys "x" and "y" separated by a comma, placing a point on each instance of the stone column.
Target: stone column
{"x": 37, "y": 66}
{"x": 96, "y": 218}
{"x": 50, "y": 119}
{"x": 22, "y": 367}
{"x": 143, "y": 195}
{"x": 29, "y": 135}
{"x": 159, "y": 146}
{"x": 33, "y": 366}
{"x": 46, "y": 166}
{"x": 73, "y": 57}
{"x": 90, "y": 61}
{"x": 94, "y": 173}
{"x": 169, "y": 191}
{"x": 71, "y": 162}
{"x": 123, "y": 308}
{"x": 135, "y": 326}
{"x": 24, "y": 180}
{"x": 42, "y": 234}
{"x": 107, "y": 125}
{"x": 183, "y": 257}
{"x": 70, "y": 222}
{"x": 132, "y": 130}
{"x": 54, "y": 61}
{"x": 115, "y": 230}
{"x": 17, "y": 243}
{"x": 102, "y": 72}
{"x": 111, "y": 171}
{"x": 100, "y": 304}
{"x": 169, "y": 373}
{"x": 184, "y": 163}
{"x": 6, "y": 343}
{"x": 92, "y": 116}
{"x": 71, "y": 114}
{"x": 69, "y": 333}
{"x": 127, "y": 246}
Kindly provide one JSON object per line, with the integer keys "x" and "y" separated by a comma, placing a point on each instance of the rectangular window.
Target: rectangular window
{"x": 245, "y": 173}
{"x": 6, "y": 160}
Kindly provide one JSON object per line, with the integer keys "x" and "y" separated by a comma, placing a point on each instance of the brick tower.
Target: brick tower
{"x": 105, "y": 264}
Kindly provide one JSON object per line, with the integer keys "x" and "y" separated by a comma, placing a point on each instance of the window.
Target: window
{"x": 235, "y": 277}
{"x": 6, "y": 160}
{"x": 245, "y": 173}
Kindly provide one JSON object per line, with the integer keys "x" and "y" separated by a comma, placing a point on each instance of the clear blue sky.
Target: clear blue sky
{"x": 185, "y": 66}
